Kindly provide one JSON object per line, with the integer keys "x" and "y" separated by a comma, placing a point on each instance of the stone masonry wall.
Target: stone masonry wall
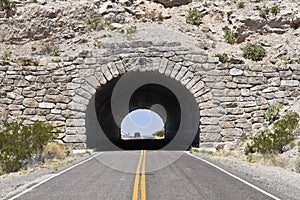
{"x": 231, "y": 98}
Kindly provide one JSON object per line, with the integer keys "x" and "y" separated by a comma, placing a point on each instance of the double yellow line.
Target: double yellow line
{"x": 140, "y": 172}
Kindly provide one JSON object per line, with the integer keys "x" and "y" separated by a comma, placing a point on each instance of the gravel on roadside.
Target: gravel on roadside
{"x": 280, "y": 182}
{"x": 14, "y": 183}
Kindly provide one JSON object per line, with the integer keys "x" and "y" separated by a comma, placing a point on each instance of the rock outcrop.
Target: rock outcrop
{"x": 172, "y": 3}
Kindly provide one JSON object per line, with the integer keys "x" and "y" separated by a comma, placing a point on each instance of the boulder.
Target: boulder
{"x": 172, "y": 3}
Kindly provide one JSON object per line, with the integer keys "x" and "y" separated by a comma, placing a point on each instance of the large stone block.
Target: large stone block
{"x": 210, "y": 137}
{"x": 30, "y": 103}
{"x": 75, "y": 122}
{"x": 77, "y": 106}
{"x": 213, "y": 112}
{"x": 74, "y": 138}
{"x": 209, "y": 120}
{"x": 46, "y": 105}
{"x": 210, "y": 129}
{"x": 75, "y": 130}
{"x": 232, "y": 132}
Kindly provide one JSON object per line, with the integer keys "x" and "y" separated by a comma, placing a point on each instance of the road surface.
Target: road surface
{"x": 151, "y": 175}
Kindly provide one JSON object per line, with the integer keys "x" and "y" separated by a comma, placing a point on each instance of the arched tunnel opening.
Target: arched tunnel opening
{"x": 167, "y": 97}
{"x": 142, "y": 124}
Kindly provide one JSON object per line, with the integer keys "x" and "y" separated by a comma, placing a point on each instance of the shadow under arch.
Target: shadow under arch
{"x": 142, "y": 90}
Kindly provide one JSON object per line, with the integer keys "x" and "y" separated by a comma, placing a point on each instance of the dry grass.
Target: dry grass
{"x": 276, "y": 160}
{"x": 54, "y": 150}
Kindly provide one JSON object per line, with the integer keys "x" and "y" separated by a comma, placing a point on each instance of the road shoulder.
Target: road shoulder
{"x": 280, "y": 182}
{"x": 15, "y": 183}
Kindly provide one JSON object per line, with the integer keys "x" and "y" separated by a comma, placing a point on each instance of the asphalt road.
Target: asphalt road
{"x": 152, "y": 175}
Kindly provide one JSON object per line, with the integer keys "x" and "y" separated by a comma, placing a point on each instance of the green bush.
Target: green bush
{"x": 244, "y": 137}
{"x": 275, "y": 10}
{"x": 229, "y": 36}
{"x": 7, "y": 55}
{"x": 131, "y": 29}
{"x": 84, "y": 40}
{"x": 160, "y": 133}
{"x": 254, "y": 52}
{"x": 56, "y": 51}
{"x": 283, "y": 131}
{"x": 261, "y": 142}
{"x": 206, "y": 4}
{"x": 272, "y": 113}
{"x": 8, "y": 7}
{"x": 264, "y": 12}
{"x": 241, "y": 5}
{"x": 20, "y": 143}
{"x": 194, "y": 17}
{"x": 273, "y": 141}
{"x": 223, "y": 58}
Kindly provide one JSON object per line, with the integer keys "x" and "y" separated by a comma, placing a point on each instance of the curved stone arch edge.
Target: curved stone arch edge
{"x": 114, "y": 69}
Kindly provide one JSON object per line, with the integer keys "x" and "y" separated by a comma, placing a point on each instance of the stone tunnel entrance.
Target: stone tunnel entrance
{"x": 142, "y": 90}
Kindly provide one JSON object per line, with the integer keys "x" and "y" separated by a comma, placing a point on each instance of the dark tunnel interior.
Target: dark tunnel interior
{"x": 143, "y": 97}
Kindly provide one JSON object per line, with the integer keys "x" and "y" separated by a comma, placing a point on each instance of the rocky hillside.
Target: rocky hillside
{"x": 37, "y": 28}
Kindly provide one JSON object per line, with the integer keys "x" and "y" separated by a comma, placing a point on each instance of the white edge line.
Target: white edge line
{"x": 234, "y": 176}
{"x": 51, "y": 177}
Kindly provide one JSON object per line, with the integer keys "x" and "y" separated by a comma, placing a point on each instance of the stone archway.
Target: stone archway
{"x": 180, "y": 65}
{"x": 114, "y": 100}
{"x": 157, "y": 75}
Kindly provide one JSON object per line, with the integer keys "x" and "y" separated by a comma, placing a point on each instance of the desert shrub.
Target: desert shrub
{"x": 283, "y": 131}
{"x": 223, "y": 58}
{"x": 7, "y": 6}
{"x": 160, "y": 17}
{"x": 254, "y": 52}
{"x": 56, "y": 51}
{"x": 50, "y": 47}
{"x": 260, "y": 142}
{"x": 160, "y": 133}
{"x": 7, "y": 56}
{"x": 229, "y": 36}
{"x": 54, "y": 150}
{"x": 131, "y": 29}
{"x": 272, "y": 113}
{"x": 241, "y": 5}
{"x": 206, "y": 4}
{"x": 20, "y": 143}
{"x": 194, "y": 150}
{"x": 244, "y": 137}
{"x": 84, "y": 40}
{"x": 273, "y": 141}
{"x": 194, "y": 17}
{"x": 275, "y": 10}
{"x": 264, "y": 12}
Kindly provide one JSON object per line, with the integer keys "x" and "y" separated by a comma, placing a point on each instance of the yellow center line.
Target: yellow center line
{"x": 143, "y": 181}
{"x": 138, "y": 173}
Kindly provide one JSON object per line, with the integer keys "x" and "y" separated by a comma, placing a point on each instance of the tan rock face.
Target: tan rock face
{"x": 63, "y": 51}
